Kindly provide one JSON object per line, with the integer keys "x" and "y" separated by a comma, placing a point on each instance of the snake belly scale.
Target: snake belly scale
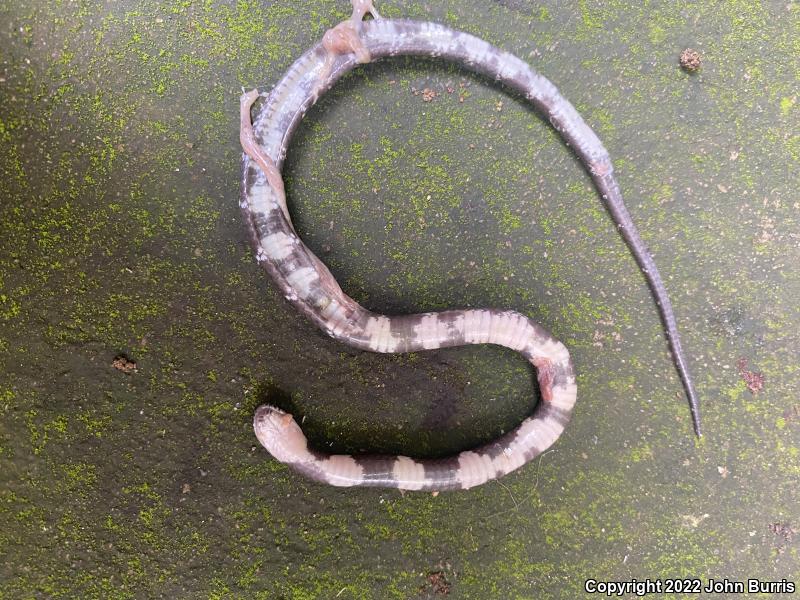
{"x": 311, "y": 288}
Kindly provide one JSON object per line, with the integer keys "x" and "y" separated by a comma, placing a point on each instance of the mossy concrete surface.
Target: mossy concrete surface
{"x": 423, "y": 187}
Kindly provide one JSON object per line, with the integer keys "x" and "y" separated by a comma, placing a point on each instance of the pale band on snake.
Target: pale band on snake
{"x": 311, "y": 288}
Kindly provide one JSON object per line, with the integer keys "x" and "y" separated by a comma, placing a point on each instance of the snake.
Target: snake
{"x": 310, "y": 287}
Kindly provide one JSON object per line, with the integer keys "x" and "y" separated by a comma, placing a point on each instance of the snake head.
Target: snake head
{"x": 279, "y": 433}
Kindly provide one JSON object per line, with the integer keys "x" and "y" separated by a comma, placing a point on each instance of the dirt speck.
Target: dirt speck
{"x": 785, "y": 532}
{"x": 752, "y": 379}
{"x": 690, "y": 60}
{"x": 438, "y": 583}
{"x": 124, "y": 364}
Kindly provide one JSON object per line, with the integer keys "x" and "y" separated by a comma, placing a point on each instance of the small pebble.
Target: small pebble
{"x": 690, "y": 60}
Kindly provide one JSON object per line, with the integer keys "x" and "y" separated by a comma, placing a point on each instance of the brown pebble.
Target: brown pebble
{"x": 428, "y": 94}
{"x": 690, "y": 60}
{"x": 124, "y": 364}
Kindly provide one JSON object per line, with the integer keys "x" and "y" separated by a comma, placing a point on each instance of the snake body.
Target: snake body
{"x": 311, "y": 288}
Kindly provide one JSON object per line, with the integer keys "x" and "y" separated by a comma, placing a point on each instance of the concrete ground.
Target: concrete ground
{"x": 423, "y": 187}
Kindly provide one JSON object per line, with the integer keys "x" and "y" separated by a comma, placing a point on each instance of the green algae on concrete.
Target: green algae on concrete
{"x": 120, "y": 235}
